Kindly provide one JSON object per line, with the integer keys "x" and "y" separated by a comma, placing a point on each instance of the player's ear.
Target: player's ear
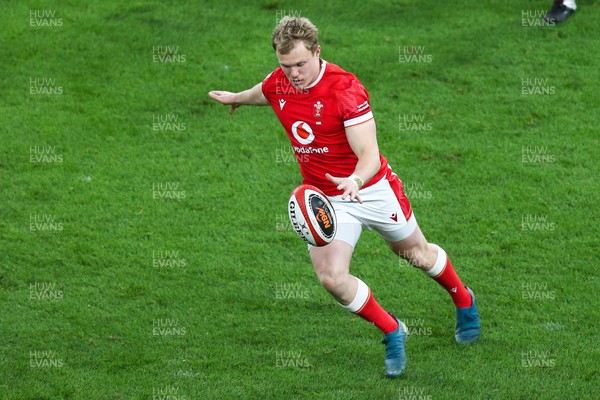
{"x": 318, "y": 51}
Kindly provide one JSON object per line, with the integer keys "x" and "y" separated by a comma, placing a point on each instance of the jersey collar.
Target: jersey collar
{"x": 321, "y": 72}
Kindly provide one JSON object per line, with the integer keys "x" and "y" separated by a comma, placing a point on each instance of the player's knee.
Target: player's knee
{"x": 332, "y": 283}
{"x": 333, "y": 279}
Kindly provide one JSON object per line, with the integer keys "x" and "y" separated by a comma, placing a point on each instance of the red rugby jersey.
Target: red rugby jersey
{"x": 315, "y": 119}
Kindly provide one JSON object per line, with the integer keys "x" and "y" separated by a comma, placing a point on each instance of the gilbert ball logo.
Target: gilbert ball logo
{"x": 303, "y": 132}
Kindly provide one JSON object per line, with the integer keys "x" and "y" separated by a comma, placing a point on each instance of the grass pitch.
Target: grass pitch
{"x": 146, "y": 252}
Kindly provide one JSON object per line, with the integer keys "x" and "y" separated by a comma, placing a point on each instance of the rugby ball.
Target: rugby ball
{"x": 312, "y": 215}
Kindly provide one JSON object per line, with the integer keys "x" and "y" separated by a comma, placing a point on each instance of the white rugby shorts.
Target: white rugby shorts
{"x": 385, "y": 209}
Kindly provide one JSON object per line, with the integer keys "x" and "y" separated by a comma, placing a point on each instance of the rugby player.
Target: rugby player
{"x": 327, "y": 115}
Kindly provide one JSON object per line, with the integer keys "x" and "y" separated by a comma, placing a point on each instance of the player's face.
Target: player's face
{"x": 300, "y": 65}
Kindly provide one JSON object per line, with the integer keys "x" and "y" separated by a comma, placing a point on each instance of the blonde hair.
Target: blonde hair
{"x": 291, "y": 29}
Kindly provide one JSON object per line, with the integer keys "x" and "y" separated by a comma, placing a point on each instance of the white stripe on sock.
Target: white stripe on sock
{"x": 440, "y": 263}
{"x": 361, "y": 297}
{"x": 570, "y": 3}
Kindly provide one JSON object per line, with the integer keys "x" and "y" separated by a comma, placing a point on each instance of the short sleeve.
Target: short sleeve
{"x": 354, "y": 103}
{"x": 264, "y": 86}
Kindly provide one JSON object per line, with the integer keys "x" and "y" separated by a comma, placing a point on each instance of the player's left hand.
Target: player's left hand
{"x": 349, "y": 187}
{"x": 226, "y": 98}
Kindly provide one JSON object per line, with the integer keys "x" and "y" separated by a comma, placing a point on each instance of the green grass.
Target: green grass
{"x": 239, "y": 314}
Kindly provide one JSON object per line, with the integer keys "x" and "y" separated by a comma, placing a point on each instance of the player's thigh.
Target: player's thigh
{"x": 411, "y": 246}
{"x": 332, "y": 261}
{"x": 416, "y": 250}
{"x": 332, "y": 266}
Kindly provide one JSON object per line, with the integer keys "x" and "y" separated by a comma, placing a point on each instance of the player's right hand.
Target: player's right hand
{"x": 225, "y": 98}
{"x": 349, "y": 187}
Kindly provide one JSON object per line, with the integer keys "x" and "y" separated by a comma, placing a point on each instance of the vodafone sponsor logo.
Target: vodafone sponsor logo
{"x": 311, "y": 150}
{"x": 303, "y": 132}
{"x": 305, "y": 135}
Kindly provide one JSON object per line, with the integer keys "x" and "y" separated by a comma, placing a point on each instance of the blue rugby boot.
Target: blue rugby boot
{"x": 468, "y": 325}
{"x": 395, "y": 357}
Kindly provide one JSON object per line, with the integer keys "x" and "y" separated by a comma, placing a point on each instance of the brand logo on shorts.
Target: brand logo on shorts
{"x": 394, "y": 217}
{"x": 303, "y": 132}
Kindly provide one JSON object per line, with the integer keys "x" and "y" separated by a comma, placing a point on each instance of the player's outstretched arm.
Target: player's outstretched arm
{"x": 250, "y": 97}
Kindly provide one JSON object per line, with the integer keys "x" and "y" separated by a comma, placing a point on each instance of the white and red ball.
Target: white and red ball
{"x": 312, "y": 215}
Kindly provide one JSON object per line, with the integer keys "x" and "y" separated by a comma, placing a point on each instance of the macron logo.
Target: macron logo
{"x": 281, "y": 103}
{"x": 454, "y": 290}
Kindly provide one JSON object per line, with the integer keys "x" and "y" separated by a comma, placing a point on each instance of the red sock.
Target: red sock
{"x": 373, "y": 312}
{"x": 365, "y": 306}
{"x": 443, "y": 273}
